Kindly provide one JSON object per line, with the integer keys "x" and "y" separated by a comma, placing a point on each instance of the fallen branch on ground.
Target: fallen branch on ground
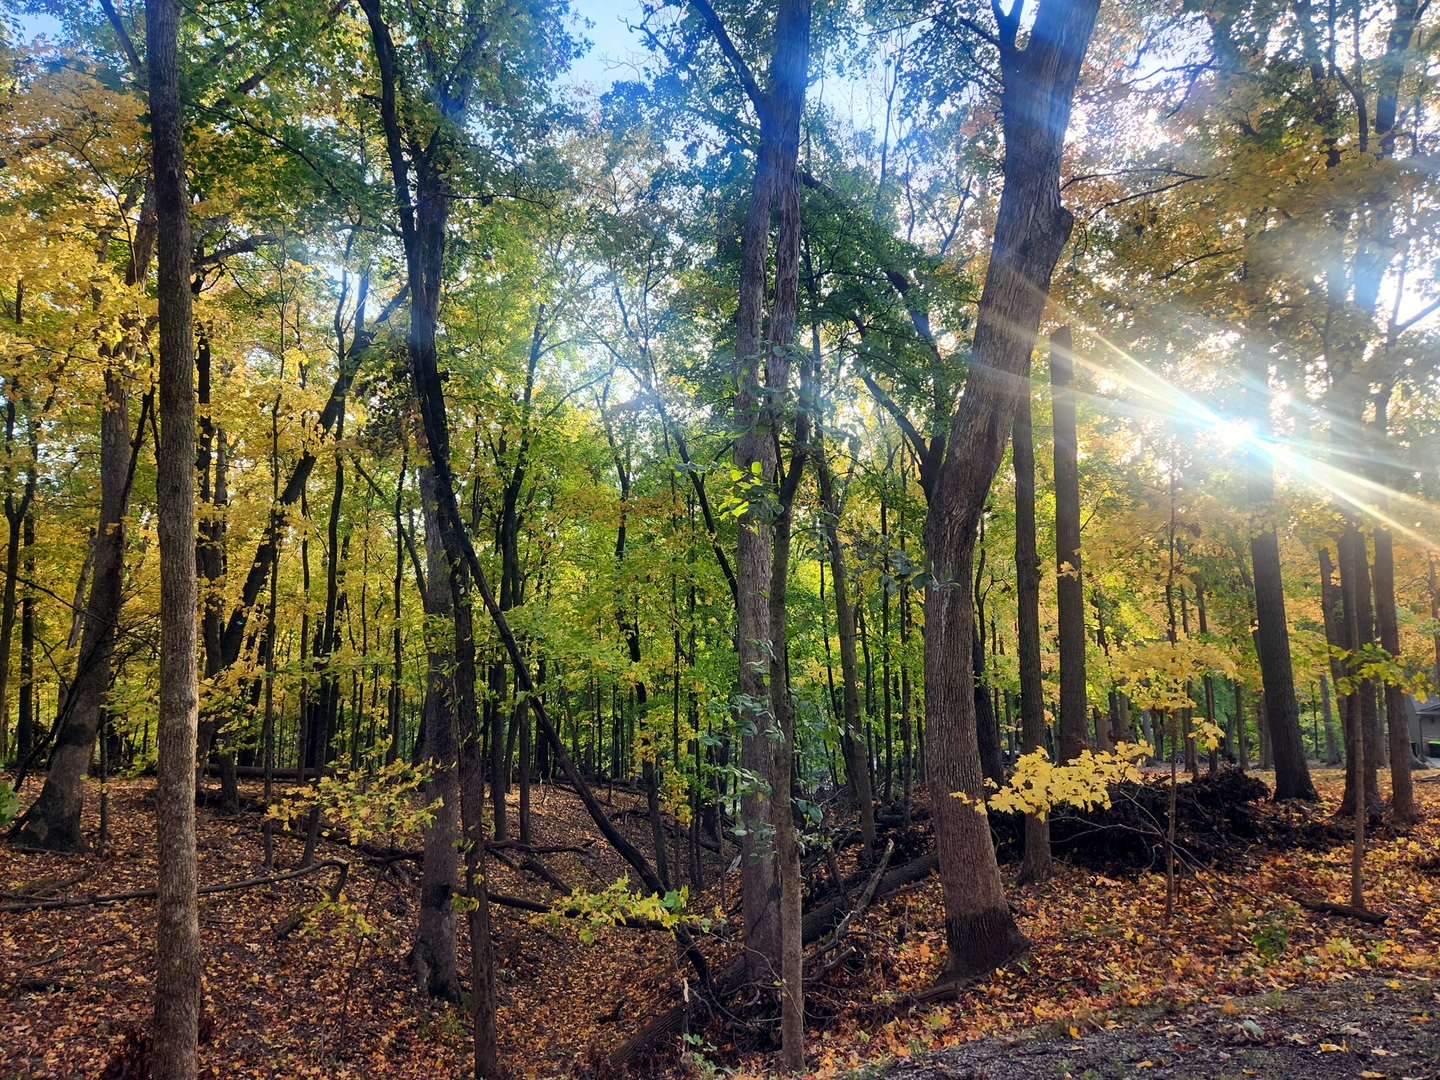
{"x": 1325, "y": 907}
{"x": 728, "y": 982}
{"x": 205, "y": 890}
{"x": 866, "y": 895}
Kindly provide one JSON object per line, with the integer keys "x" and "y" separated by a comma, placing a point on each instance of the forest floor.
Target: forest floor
{"x": 1241, "y": 969}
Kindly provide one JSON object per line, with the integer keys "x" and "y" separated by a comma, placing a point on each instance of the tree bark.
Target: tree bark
{"x": 53, "y": 821}
{"x": 1032, "y": 228}
{"x": 1361, "y": 711}
{"x": 1402, "y": 799}
{"x": 1037, "y": 863}
{"x": 25, "y": 724}
{"x": 432, "y": 957}
{"x": 1272, "y": 638}
{"x": 177, "y": 931}
{"x": 1069, "y": 585}
{"x": 763, "y": 378}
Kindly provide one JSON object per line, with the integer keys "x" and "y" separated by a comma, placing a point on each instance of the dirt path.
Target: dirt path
{"x": 1357, "y": 1028}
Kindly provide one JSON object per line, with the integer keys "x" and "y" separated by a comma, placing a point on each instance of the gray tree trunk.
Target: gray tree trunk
{"x": 432, "y": 957}
{"x": 177, "y": 929}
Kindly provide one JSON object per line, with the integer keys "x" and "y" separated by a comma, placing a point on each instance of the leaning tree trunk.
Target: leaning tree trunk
{"x": 177, "y": 929}
{"x": 1037, "y": 864}
{"x": 1069, "y": 585}
{"x": 432, "y": 957}
{"x": 53, "y": 822}
{"x": 1031, "y": 229}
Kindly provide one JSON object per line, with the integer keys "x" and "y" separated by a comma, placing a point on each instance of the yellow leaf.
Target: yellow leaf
{"x": 1229, "y": 1008}
{"x": 1330, "y": 1048}
{"x": 1074, "y": 1032}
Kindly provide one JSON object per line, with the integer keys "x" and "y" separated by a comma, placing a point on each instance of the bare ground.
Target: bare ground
{"x": 1364, "y": 1027}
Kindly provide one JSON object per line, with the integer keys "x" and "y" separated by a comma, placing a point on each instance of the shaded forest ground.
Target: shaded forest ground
{"x": 332, "y": 1002}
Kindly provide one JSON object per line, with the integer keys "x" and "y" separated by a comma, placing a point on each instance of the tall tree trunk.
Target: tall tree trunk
{"x": 423, "y": 213}
{"x": 15, "y": 511}
{"x": 764, "y": 392}
{"x": 1401, "y": 786}
{"x": 1333, "y": 610}
{"x": 53, "y": 821}
{"x": 1031, "y": 229}
{"x": 432, "y": 957}
{"x": 1272, "y": 638}
{"x": 177, "y": 930}
{"x": 1037, "y": 864}
{"x": 1359, "y": 621}
{"x": 1280, "y": 721}
{"x": 1069, "y": 585}
{"x": 851, "y": 741}
{"x": 987, "y": 724}
{"x": 763, "y": 378}
{"x": 885, "y": 586}
{"x": 25, "y": 725}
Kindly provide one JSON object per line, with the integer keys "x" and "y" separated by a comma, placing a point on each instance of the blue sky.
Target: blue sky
{"x": 612, "y": 44}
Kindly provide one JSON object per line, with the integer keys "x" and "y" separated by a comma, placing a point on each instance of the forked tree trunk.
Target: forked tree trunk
{"x": 1037, "y": 863}
{"x": 1069, "y": 585}
{"x": 177, "y": 930}
{"x": 1031, "y": 230}
{"x": 423, "y": 213}
{"x": 763, "y": 379}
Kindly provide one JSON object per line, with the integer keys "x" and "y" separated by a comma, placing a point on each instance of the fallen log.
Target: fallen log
{"x": 554, "y": 880}
{"x": 813, "y": 926}
{"x": 1325, "y": 907}
{"x": 204, "y": 890}
{"x": 866, "y": 896}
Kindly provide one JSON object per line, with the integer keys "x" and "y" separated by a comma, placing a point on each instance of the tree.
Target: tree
{"x": 1037, "y": 865}
{"x": 178, "y": 961}
{"x": 770, "y": 874}
{"x": 1031, "y": 229}
{"x": 1070, "y": 585}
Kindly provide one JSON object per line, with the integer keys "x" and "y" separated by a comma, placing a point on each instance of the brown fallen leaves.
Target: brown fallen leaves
{"x": 75, "y": 984}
